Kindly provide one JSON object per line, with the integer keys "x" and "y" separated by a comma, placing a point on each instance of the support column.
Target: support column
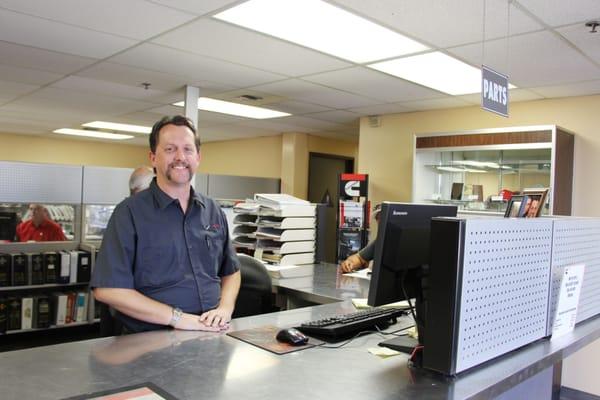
{"x": 191, "y": 104}
{"x": 294, "y": 164}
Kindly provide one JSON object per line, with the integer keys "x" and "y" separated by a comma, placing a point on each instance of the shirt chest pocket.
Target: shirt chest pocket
{"x": 212, "y": 243}
{"x": 160, "y": 266}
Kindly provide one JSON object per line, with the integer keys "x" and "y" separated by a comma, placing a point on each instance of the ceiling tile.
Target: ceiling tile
{"x": 43, "y": 60}
{"x": 11, "y": 90}
{"x": 580, "y": 36}
{"x": 81, "y": 105}
{"x": 567, "y": 90}
{"x": 27, "y": 75}
{"x": 195, "y": 6}
{"x": 561, "y": 12}
{"x": 275, "y": 55}
{"x": 50, "y": 35}
{"x": 110, "y": 16}
{"x": 95, "y": 86}
{"x": 380, "y": 109}
{"x": 205, "y": 118}
{"x": 534, "y": 59}
{"x": 338, "y": 116}
{"x": 309, "y": 123}
{"x": 309, "y": 92}
{"x": 297, "y": 107}
{"x": 167, "y": 60}
{"x": 448, "y": 102}
{"x": 445, "y": 23}
{"x": 374, "y": 84}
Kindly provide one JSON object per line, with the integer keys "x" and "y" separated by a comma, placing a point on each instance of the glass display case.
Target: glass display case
{"x": 481, "y": 170}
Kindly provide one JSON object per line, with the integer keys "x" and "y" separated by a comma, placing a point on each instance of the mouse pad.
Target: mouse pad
{"x": 264, "y": 337}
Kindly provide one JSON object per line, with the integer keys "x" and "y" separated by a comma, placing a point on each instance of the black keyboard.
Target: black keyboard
{"x": 340, "y": 326}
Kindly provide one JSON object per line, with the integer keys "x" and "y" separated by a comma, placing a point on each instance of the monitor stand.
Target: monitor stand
{"x": 403, "y": 344}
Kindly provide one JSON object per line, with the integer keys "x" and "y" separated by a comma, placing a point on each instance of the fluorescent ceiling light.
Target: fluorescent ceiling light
{"x": 323, "y": 27}
{"x": 241, "y": 110}
{"x": 451, "y": 169}
{"x": 119, "y": 127}
{"x": 435, "y": 70}
{"x": 477, "y": 171}
{"x": 94, "y": 134}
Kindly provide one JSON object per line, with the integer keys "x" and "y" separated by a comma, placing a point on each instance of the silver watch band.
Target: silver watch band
{"x": 177, "y": 313}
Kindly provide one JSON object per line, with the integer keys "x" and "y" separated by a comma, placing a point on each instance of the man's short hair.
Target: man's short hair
{"x": 178, "y": 120}
{"x": 140, "y": 179}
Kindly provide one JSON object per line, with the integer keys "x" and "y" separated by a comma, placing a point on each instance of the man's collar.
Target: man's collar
{"x": 163, "y": 200}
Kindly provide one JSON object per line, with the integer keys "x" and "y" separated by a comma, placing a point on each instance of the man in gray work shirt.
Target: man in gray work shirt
{"x": 166, "y": 258}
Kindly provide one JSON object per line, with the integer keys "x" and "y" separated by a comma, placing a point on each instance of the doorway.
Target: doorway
{"x": 323, "y": 172}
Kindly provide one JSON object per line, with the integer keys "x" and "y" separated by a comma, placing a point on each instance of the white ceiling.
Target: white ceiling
{"x": 67, "y": 62}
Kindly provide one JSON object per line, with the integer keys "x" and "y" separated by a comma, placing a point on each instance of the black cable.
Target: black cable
{"x": 395, "y": 333}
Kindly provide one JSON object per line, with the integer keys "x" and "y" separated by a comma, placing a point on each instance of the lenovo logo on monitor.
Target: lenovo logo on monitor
{"x": 394, "y": 212}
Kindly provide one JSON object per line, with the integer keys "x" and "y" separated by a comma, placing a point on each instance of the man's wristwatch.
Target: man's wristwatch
{"x": 177, "y": 313}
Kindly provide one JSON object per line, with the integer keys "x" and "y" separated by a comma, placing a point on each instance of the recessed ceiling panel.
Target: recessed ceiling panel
{"x": 580, "y": 36}
{"x": 568, "y": 90}
{"x": 380, "y": 109}
{"x": 44, "y": 60}
{"x": 533, "y": 59}
{"x": 27, "y": 75}
{"x": 448, "y": 102}
{"x": 135, "y": 19}
{"x": 376, "y": 85}
{"x": 251, "y": 48}
{"x": 448, "y": 22}
{"x": 297, "y": 107}
{"x": 192, "y": 66}
{"x": 195, "y": 6}
{"x": 37, "y": 32}
{"x": 11, "y": 90}
{"x": 95, "y": 86}
{"x": 561, "y": 12}
{"x": 311, "y": 93}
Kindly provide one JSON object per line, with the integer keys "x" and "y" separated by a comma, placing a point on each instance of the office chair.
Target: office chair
{"x": 255, "y": 296}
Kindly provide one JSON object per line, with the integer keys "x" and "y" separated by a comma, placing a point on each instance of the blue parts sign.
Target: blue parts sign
{"x": 494, "y": 91}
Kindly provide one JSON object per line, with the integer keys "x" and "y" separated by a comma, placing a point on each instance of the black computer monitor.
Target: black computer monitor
{"x": 8, "y": 225}
{"x": 402, "y": 254}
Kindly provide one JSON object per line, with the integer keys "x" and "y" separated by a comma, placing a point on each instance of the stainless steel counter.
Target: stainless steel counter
{"x": 194, "y": 365}
{"x": 325, "y": 285}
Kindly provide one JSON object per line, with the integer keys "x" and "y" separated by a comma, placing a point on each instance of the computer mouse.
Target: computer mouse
{"x": 292, "y": 336}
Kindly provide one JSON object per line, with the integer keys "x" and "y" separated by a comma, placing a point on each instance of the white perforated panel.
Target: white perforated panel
{"x": 577, "y": 241}
{"x": 105, "y": 185}
{"x": 504, "y": 295}
{"x": 40, "y": 183}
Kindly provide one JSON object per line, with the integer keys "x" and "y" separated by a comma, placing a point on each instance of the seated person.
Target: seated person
{"x": 40, "y": 228}
{"x": 361, "y": 259}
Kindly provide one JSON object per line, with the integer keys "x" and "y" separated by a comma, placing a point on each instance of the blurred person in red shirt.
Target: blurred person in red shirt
{"x": 40, "y": 228}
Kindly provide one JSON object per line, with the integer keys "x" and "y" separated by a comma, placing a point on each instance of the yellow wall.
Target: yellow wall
{"x": 30, "y": 148}
{"x": 385, "y": 153}
{"x": 259, "y": 156}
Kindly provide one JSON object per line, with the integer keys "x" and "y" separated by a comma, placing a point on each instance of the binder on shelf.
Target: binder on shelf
{"x": 74, "y": 260}
{"x": 84, "y": 267}
{"x": 287, "y": 222}
{"x": 289, "y": 271}
{"x": 5, "y": 270}
{"x": 51, "y": 266}
{"x": 81, "y": 305}
{"x": 60, "y": 308}
{"x": 65, "y": 267}
{"x": 70, "y": 313}
{"x": 307, "y": 246}
{"x": 3, "y": 315}
{"x": 285, "y": 235}
{"x": 289, "y": 259}
{"x": 20, "y": 270}
{"x": 36, "y": 266}
{"x": 26, "y": 312}
{"x": 42, "y": 312}
{"x": 14, "y": 314}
